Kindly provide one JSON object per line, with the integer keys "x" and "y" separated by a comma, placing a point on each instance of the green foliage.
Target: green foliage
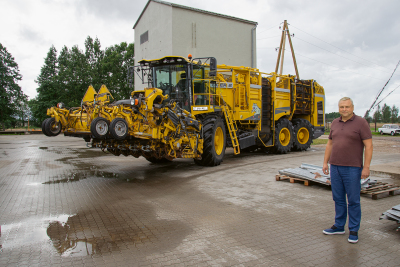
{"x": 12, "y": 99}
{"x": 65, "y": 78}
{"x": 368, "y": 116}
{"x": 386, "y": 113}
{"x": 394, "y": 114}
{"x": 377, "y": 114}
{"x": 115, "y": 65}
{"x": 331, "y": 116}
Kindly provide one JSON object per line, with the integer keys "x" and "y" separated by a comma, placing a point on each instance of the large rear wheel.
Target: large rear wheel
{"x": 303, "y": 134}
{"x": 214, "y": 141}
{"x": 99, "y": 128}
{"x": 283, "y": 136}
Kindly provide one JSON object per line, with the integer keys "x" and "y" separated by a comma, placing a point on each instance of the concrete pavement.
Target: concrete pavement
{"x": 63, "y": 204}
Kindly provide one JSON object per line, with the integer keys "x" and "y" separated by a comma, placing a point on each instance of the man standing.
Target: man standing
{"x": 348, "y": 137}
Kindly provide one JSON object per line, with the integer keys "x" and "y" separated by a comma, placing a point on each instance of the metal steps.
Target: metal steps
{"x": 232, "y": 128}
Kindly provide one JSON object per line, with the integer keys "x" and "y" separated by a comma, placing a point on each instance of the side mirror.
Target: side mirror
{"x": 213, "y": 66}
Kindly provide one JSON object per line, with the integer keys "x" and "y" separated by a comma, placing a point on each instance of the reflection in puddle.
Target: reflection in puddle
{"x": 33, "y": 231}
{"x": 59, "y": 232}
{"x": 27, "y": 232}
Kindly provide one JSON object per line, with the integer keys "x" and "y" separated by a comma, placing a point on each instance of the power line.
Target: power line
{"x": 339, "y": 68}
{"x": 386, "y": 96}
{"x": 380, "y": 92}
{"x": 339, "y": 47}
{"x": 297, "y": 38}
{"x": 269, "y": 37}
{"x": 268, "y": 29}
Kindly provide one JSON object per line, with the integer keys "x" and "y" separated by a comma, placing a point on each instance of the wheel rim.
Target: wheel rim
{"x": 303, "y": 135}
{"x": 54, "y": 127}
{"x": 219, "y": 141}
{"x": 284, "y": 136}
{"x": 101, "y": 128}
{"x": 120, "y": 128}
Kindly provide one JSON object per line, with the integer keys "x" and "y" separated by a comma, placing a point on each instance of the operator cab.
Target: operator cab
{"x": 188, "y": 82}
{"x": 172, "y": 80}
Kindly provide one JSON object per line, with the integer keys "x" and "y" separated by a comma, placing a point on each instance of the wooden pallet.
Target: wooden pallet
{"x": 380, "y": 188}
{"x": 375, "y": 190}
{"x": 280, "y": 177}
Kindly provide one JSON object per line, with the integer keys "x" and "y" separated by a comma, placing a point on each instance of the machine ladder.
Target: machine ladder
{"x": 232, "y": 127}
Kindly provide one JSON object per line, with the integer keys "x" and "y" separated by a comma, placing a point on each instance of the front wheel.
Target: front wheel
{"x": 283, "y": 136}
{"x": 52, "y": 128}
{"x": 99, "y": 128}
{"x": 214, "y": 142}
{"x": 381, "y": 132}
{"x": 392, "y": 133}
{"x": 119, "y": 129}
{"x": 44, "y": 127}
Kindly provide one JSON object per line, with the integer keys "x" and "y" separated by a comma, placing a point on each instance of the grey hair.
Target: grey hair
{"x": 346, "y": 98}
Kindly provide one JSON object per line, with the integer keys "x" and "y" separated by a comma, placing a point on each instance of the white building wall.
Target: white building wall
{"x": 204, "y": 35}
{"x": 157, "y": 19}
{"x": 175, "y": 31}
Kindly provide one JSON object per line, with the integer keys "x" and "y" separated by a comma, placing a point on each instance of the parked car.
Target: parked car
{"x": 391, "y": 129}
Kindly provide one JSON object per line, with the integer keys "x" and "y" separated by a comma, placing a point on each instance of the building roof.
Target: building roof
{"x": 192, "y": 9}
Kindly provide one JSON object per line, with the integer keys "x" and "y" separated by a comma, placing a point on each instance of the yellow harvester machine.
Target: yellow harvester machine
{"x": 194, "y": 108}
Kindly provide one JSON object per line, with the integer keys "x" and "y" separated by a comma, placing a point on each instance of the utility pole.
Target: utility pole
{"x": 281, "y": 53}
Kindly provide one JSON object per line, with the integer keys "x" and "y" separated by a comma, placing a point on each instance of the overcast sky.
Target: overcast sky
{"x": 350, "y": 47}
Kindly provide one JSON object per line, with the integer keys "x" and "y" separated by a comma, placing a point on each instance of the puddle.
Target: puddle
{"x": 43, "y": 147}
{"x": 77, "y": 176}
{"x": 56, "y": 229}
{"x": 27, "y": 232}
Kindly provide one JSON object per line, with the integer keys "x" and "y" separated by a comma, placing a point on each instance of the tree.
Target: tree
{"x": 395, "y": 114}
{"x": 48, "y": 91}
{"x": 386, "y": 113}
{"x": 378, "y": 114}
{"x": 11, "y": 96}
{"x": 94, "y": 57}
{"x": 115, "y": 65}
{"x": 66, "y": 78}
{"x": 331, "y": 116}
{"x": 368, "y": 117}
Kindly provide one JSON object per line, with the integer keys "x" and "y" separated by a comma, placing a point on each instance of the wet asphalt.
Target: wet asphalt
{"x": 64, "y": 204}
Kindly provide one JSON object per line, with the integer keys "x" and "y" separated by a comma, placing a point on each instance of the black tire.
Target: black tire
{"x": 213, "y": 153}
{"x": 303, "y": 134}
{"x": 99, "y": 127}
{"x": 392, "y": 133}
{"x": 381, "y": 132}
{"x": 44, "y": 127}
{"x": 119, "y": 129}
{"x": 284, "y": 136}
{"x": 157, "y": 161}
{"x": 52, "y": 128}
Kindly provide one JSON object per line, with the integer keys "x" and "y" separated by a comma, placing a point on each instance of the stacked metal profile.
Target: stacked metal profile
{"x": 308, "y": 172}
{"x": 314, "y": 173}
{"x": 393, "y": 214}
